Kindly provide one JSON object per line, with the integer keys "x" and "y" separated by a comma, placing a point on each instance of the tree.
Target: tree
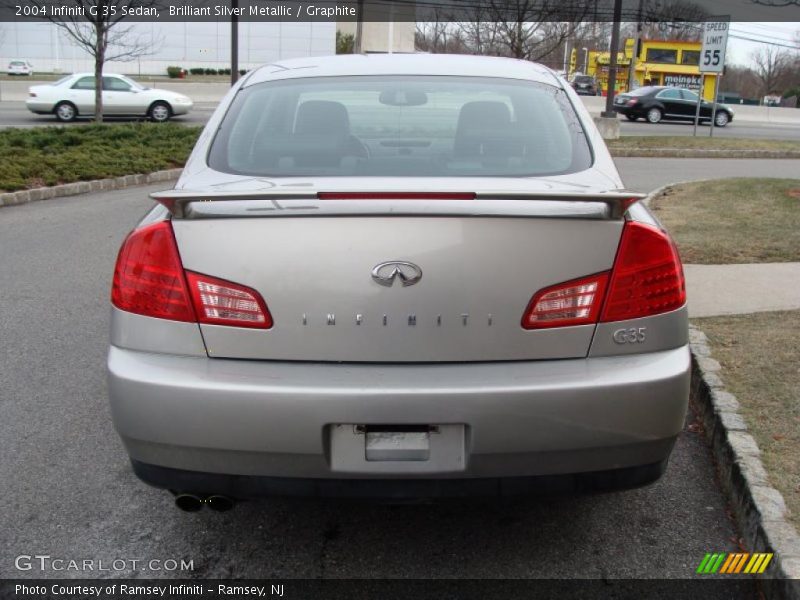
{"x": 531, "y": 29}
{"x": 741, "y": 80}
{"x": 673, "y": 19}
{"x": 770, "y": 66}
{"x": 433, "y": 31}
{"x": 526, "y": 29}
{"x": 99, "y": 30}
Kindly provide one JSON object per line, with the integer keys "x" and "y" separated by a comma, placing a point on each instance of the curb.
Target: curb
{"x": 699, "y": 153}
{"x": 83, "y": 187}
{"x": 758, "y": 508}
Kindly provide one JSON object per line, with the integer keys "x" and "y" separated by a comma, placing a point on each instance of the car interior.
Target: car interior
{"x": 399, "y": 130}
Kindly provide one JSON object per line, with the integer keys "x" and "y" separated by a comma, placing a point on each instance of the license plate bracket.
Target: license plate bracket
{"x": 397, "y": 449}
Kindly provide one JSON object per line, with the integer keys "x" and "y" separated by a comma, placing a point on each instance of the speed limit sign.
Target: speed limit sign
{"x": 715, "y": 40}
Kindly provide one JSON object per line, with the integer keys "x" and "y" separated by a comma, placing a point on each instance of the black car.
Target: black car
{"x": 584, "y": 85}
{"x": 657, "y": 103}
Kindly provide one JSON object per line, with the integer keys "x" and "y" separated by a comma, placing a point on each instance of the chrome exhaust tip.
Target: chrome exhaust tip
{"x": 220, "y": 503}
{"x": 188, "y": 502}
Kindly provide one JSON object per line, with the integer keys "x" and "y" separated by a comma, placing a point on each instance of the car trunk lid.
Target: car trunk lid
{"x": 457, "y": 274}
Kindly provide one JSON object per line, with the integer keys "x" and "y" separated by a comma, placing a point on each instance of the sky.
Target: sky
{"x": 739, "y": 50}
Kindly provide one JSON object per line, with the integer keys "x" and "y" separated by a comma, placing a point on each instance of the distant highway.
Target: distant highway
{"x": 14, "y": 114}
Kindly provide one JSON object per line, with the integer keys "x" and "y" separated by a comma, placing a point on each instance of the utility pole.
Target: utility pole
{"x": 234, "y": 43}
{"x": 357, "y": 44}
{"x": 612, "y": 66}
{"x": 637, "y": 43}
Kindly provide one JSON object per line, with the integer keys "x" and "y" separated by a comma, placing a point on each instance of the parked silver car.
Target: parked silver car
{"x": 403, "y": 276}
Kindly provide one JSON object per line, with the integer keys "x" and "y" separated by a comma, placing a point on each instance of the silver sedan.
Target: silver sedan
{"x": 73, "y": 96}
{"x": 403, "y": 276}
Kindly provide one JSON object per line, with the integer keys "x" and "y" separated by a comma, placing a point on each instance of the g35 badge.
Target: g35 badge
{"x": 634, "y": 335}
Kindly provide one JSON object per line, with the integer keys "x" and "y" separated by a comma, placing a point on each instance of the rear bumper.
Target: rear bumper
{"x": 273, "y": 419}
{"x": 253, "y": 486}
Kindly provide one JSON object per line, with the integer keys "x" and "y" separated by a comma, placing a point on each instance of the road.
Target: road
{"x": 743, "y": 129}
{"x": 69, "y": 492}
{"x": 14, "y": 114}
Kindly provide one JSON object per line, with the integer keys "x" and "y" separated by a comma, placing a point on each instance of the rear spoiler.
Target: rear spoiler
{"x": 176, "y": 202}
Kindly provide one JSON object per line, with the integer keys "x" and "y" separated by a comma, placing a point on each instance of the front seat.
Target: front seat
{"x": 483, "y": 129}
{"x": 322, "y": 128}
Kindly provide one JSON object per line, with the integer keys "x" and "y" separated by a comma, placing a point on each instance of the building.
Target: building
{"x": 672, "y": 63}
{"x": 379, "y": 36}
{"x": 184, "y": 44}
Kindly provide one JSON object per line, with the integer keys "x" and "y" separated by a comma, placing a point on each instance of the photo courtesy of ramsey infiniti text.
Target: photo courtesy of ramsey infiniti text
{"x": 398, "y": 276}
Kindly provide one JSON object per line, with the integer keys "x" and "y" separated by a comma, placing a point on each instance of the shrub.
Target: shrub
{"x": 242, "y": 71}
{"x": 211, "y": 71}
{"x": 174, "y": 72}
{"x": 345, "y": 42}
{"x": 224, "y": 71}
{"x": 53, "y": 155}
{"x": 197, "y": 71}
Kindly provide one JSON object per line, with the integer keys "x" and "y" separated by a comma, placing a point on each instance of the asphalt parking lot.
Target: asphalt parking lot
{"x": 69, "y": 492}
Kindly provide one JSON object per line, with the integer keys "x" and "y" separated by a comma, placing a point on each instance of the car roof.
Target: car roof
{"x": 403, "y": 64}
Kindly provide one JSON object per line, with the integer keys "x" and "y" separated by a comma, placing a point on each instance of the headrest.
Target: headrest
{"x": 322, "y": 117}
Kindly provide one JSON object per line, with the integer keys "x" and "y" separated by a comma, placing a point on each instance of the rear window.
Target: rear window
{"x": 400, "y": 126}
{"x": 583, "y": 79}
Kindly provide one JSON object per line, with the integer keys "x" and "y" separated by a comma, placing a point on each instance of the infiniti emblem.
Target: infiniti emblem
{"x": 386, "y": 272}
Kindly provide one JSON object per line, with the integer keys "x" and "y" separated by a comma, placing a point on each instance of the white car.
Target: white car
{"x": 20, "y": 67}
{"x": 73, "y": 96}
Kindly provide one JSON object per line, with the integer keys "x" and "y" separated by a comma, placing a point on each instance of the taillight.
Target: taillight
{"x": 647, "y": 278}
{"x": 575, "y": 302}
{"x": 220, "y": 302}
{"x": 149, "y": 280}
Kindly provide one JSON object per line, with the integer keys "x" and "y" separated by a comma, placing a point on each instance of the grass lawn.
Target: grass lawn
{"x": 44, "y": 156}
{"x": 700, "y": 142}
{"x": 733, "y": 220}
{"x": 760, "y": 358}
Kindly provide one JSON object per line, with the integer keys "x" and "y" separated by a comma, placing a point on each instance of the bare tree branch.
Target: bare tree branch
{"x": 771, "y": 66}
{"x": 94, "y": 25}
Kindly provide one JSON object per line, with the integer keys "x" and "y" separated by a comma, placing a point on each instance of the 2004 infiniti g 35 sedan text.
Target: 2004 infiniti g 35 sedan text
{"x": 401, "y": 276}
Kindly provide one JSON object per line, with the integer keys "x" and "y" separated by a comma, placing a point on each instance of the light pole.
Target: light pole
{"x": 234, "y": 43}
{"x": 585, "y": 60}
{"x": 637, "y": 43}
{"x": 612, "y": 66}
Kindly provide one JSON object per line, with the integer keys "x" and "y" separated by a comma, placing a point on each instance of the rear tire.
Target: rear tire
{"x": 159, "y": 112}
{"x": 65, "y": 112}
{"x": 654, "y": 115}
